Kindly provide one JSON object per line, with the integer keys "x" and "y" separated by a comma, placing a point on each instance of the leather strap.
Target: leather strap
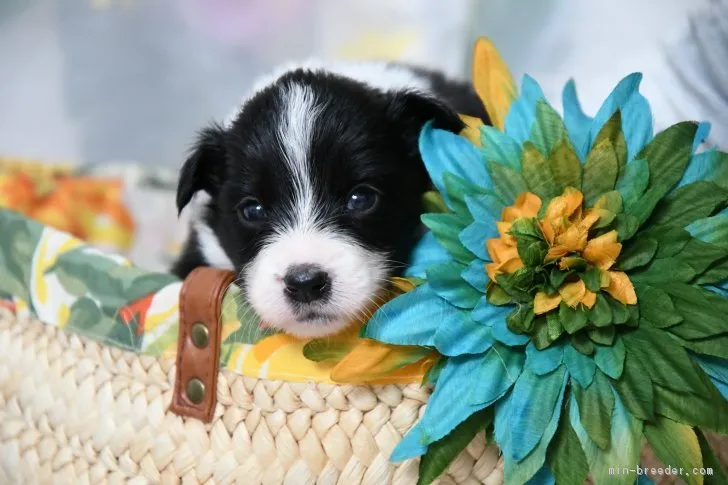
{"x": 198, "y": 344}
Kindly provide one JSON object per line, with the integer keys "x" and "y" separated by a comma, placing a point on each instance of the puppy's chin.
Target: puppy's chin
{"x": 356, "y": 277}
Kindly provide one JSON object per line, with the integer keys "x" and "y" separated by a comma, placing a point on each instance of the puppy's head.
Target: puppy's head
{"x": 313, "y": 195}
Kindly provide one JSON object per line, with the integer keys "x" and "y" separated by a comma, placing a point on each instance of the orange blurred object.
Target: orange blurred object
{"x": 89, "y": 208}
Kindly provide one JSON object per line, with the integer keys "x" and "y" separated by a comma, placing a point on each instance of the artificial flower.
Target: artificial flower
{"x": 576, "y": 287}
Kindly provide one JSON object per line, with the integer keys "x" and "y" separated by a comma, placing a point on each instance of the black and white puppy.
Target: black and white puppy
{"x": 311, "y": 191}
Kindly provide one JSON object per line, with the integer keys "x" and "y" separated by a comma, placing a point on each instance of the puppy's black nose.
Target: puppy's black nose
{"x": 306, "y": 283}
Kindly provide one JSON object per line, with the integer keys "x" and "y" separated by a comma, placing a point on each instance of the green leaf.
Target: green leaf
{"x": 715, "y": 346}
{"x": 433, "y": 373}
{"x": 612, "y": 132}
{"x": 532, "y": 248}
{"x": 601, "y": 313}
{"x": 671, "y": 240}
{"x": 668, "y": 154}
{"x": 446, "y": 229}
{"x": 701, "y": 255}
{"x": 497, "y": 296}
{"x": 643, "y": 208}
{"x": 714, "y": 274}
{"x": 508, "y": 183}
{"x": 663, "y": 271}
{"x": 596, "y": 404}
{"x": 600, "y": 171}
{"x": 592, "y": 278}
{"x": 518, "y": 284}
{"x": 610, "y": 359}
{"x": 540, "y": 335}
{"x": 677, "y": 445}
{"x": 548, "y": 128}
{"x": 442, "y": 452}
{"x": 635, "y": 388}
{"x": 633, "y": 182}
{"x": 620, "y": 312}
{"x": 603, "y": 336}
{"x": 521, "y": 319}
{"x": 565, "y": 165}
{"x": 637, "y": 253}
{"x": 537, "y": 173}
{"x": 554, "y": 328}
{"x": 667, "y": 363}
{"x": 688, "y": 204}
{"x": 557, "y": 278}
{"x": 455, "y": 189}
{"x": 712, "y": 229}
{"x": 703, "y": 311}
{"x": 581, "y": 342}
{"x": 708, "y": 413}
{"x": 571, "y": 319}
{"x": 656, "y": 306}
{"x": 433, "y": 202}
{"x": 720, "y": 474}
{"x": 565, "y": 458}
{"x": 626, "y": 226}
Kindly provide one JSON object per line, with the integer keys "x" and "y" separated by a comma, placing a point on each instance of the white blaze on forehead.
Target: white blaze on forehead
{"x": 295, "y": 136}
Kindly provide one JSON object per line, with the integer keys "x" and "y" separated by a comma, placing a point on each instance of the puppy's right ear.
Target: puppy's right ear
{"x": 204, "y": 168}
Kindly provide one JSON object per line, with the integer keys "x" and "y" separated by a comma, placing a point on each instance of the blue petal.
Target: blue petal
{"x": 721, "y": 290}
{"x": 502, "y": 333}
{"x": 701, "y": 134}
{"x": 522, "y": 114}
{"x": 527, "y": 420}
{"x": 581, "y": 368}
{"x": 610, "y": 359}
{"x": 576, "y": 121}
{"x": 449, "y": 405}
{"x": 717, "y": 370}
{"x": 474, "y": 236}
{"x": 616, "y": 100}
{"x": 485, "y": 208}
{"x": 543, "y": 477}
{"x": 707, "y": 165}
{"x": 475, "y": 275}
{"x": 636, "y": 124}
{"x": 644, "y": 480}
{"x": 541, "y": 362}
{"x": 446, "y": 282}
{"x": 426, "y": 253}
{"x": 532, "y": 465}
{"x": 463, "y": 336}
{"x": 411, "y": 445}
{"x": 411, "y": 318}
{"x": 488, "y": 314}
{"x": 501, "y": 148}
{"x": 443, "y": 152}
{"x": 502, "y": 366}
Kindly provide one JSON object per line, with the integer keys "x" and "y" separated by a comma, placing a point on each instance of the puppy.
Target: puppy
{"x": 311, "y": 191}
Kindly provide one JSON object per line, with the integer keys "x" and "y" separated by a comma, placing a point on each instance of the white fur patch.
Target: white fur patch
{"x": 295, "y": 133}
{"x": 356, "y": 275}
{"x": 208, "y": 243}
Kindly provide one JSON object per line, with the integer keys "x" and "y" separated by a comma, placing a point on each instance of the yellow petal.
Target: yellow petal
{"x": 543, "y": 303}
{"x": 503, "y": 229}
{"x": 589, "y": 299}
{"x": 621, "y": 289}
{"x": 556, "y": 252}
{"x": 499, "y": 251}
{"x": 492, "y": 270}
{"x": 564, "y": 205}
{"x": 572, "y": 293}
{"x": 548, "y": 231}
{"x": 511, "y": 265}
{"x": 574, "y": 238}
{"x": 472, "y": 129}
{"x": 603, "y": 251}
{"x": 493, "y": 81}
{"x": 527, "y": 204}
{"x": 590, "y": 218}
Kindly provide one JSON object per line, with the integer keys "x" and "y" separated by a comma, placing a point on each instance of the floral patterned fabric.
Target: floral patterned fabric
{"x": 77, "y": 287}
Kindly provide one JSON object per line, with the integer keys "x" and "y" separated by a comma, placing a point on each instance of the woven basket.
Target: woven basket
{"x": 75, "y": 411}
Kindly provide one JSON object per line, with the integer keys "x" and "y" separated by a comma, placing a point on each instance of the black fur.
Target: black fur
{"x": 362, "y": 136}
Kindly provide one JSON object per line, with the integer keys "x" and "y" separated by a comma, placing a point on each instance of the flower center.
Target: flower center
{"x": 557, "y": 263}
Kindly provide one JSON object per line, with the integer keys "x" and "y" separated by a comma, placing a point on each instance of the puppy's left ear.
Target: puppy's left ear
{"x": 412, "y": 109}
{"x": 204, "y": 168}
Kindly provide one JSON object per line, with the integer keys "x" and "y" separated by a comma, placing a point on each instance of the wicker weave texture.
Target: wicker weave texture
{"x": 73, "y": 411}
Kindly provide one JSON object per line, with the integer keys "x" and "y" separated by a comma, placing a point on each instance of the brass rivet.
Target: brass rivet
{"x": 200, "y": 335}
{"x": 195, "y": 390}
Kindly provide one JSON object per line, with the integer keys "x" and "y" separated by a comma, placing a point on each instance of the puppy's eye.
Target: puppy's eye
{"x": 251, "y": 211}
{"x": 362, "y": 200}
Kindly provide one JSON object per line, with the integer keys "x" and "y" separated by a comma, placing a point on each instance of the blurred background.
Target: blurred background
{"x": 131, "y": 80}
{"x": 121, "y": 86}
